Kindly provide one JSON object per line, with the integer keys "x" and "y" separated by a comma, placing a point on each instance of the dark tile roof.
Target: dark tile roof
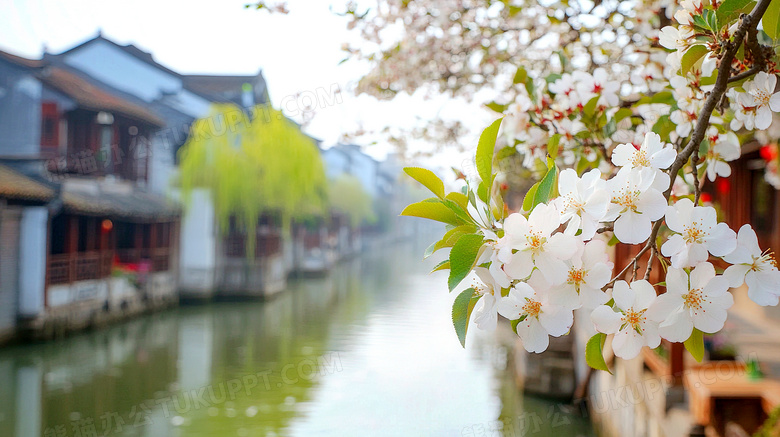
{"x": 16, "y": 186}
{"x": 18, "y": 60}
{"x": 91, "y": 97}
{"x": 127, "y": 48}
{"x": 225, "y": 87}
{"x": 131, "y": 204}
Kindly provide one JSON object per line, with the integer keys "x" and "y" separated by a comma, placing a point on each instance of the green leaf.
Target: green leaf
{"x": 432, "y": 209}
{"x": 528, "y": 200}
{"x": 482, "y": 192}
{"x": 590, "y": 107}
{"x": 771, "y": 19}
{"x": 459, "y": 211}
{"x": 459, "y": 198}
{"x": 553, "y": 145}
{"x": 593, "y": 352}
{"x": 497, "y": 107}
{"x": 521, "y": 75}
{"x": 441, "y": 266}
{"x": 430, "y": 249}
{"x": 663, "y": 126}
{"x": 730, "y": 10}
{"x": 547, "y": 186}
{"x": 461, "y": 312}
{"x": 691, "y": 57}
{"x": 428, "y": 179}
{"x": 462, "y": 257}
{"x": 610, "y": 128}
{"x": 663, "y": 97}
{"x": 622, "y": 113}
{"x": 514, "y": 324}
{"x": 450, "y": 238}
{"x": 695, "y": 344}
{"x": 487, "y": 144}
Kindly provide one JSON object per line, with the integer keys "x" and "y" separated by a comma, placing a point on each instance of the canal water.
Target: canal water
{"x": 368, "y": 350}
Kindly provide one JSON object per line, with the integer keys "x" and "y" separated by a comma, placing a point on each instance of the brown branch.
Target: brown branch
{"x": 653, "y": 254}
{"x": 759, "y": 60}
{"x": 695, "y": 171}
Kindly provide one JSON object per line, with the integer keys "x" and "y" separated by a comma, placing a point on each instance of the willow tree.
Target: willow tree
{"x": 349, "y": 198}
{"x": 253, "y": 163}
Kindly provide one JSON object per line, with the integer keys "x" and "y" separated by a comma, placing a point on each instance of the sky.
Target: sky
{"x": 298, "y": 53}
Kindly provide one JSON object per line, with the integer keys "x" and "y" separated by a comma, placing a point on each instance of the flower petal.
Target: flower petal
{"x": 606, "y": 320}
{"x": 533, "y": 335}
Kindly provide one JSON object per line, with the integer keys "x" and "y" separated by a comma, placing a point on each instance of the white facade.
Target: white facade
{"x": 198, "y": 246}
{"x": 32, "y": 261}
{"x": 349, "y": 159}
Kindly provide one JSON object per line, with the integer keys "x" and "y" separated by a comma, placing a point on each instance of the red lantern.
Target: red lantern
{"x": 722, "y": 185}
{"x": 769, "y": 152}
{"x": 106, "y": 225}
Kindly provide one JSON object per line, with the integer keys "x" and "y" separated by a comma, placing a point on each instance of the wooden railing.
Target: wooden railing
{"x": 266, "y": 244}
{"x": 81, "y": 266}
{"x": 159, "y": 257}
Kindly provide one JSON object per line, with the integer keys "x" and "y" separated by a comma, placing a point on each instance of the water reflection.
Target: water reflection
{"x": 367, "y": 351}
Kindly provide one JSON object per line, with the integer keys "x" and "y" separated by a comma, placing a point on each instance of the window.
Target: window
{"x": 50, "y": 125}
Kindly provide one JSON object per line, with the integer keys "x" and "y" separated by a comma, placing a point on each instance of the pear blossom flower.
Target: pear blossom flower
{"x": 486, "y": 311}
{"x": 653, "y": 153}
{"x": 496, "y": 249}
{"x": 565, "y": 88}
{"x": 684, "y": 16}
{"x": 598, "y": 84}
{"x": 699, "y": 301}
{"x": 589, "y": 271}
{"x": 632, "y": 328}
{"x": 723, "y": 149}
{"x": 635, "y": 204}
{"x": 542, "y": 312}
{"x": 756, "y": 105}
{"x": 583, "y": 202}
{"x": 536, "y": 244}
{"x": 674, "y": 38}
{"x": 755, "y": 268}
{"x": 698, "y": 232}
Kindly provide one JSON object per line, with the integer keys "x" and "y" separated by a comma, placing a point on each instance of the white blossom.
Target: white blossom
{"x": 674, "y": 38}
{"x": 542, "y": 312}
{"x": 589, "y": 271}
{"x": 583, "y": 202}
{"x": 755, "y": 268}
{"x": 496, "y": 249}
{"x": 697, "y": 301}
{"x": 756, "y": 105}
{"x": 635, "y": 204}
{"x": 652, "y": 153}
{"x": 698, "y": 233}
{"x": 723, "y": 149}
{"x": 486, "y": 311}
{"x": 537, "y": 246}
{"x": 631, "y": 326}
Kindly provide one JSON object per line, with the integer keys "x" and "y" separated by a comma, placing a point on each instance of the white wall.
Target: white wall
{"x": 198, "y": 242}
{"x": 32, "y": 261}
{"x": 161, "y": 165}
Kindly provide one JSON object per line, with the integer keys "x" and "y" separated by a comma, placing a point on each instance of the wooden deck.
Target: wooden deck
{"x": 708, "y": 384}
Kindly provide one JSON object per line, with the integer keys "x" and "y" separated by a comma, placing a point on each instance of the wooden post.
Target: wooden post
{"x": 676, "y": 362}
{"x": 72, "y": 245}
{"x": 152, "y": 243}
